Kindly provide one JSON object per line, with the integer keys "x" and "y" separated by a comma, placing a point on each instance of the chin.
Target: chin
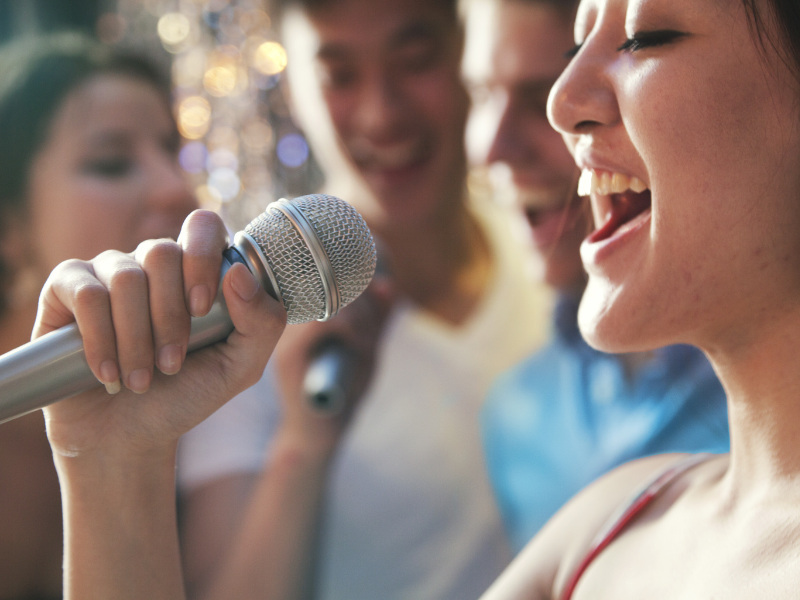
{"x": 609, "y": 325}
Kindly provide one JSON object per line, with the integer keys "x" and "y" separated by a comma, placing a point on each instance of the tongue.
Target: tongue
{"x": 624, "y": 208}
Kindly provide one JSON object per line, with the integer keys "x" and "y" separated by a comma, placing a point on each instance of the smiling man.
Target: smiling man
{"x": 400, "y": 506}
{"x": 569, "y": 413}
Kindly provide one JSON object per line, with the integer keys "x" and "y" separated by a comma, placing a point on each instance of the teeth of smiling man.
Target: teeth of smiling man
{"x": 605, "y": 183}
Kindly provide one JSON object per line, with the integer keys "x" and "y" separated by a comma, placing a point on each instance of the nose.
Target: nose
{"x": 380, "y": 109}
{"x": 508, "y": 145}
{"x": 583, "y": 98}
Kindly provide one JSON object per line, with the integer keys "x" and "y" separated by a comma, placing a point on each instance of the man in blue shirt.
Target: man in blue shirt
{"x": 569, "y": 413}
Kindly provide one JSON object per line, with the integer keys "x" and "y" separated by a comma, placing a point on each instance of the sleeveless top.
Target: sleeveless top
{"x": 628, "y": 512}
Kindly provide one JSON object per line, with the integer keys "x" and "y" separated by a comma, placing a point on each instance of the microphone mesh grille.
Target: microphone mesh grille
{"x": 343, "y": 234}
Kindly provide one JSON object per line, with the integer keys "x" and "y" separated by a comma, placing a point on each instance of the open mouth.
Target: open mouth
{"x": 623, "y": 202}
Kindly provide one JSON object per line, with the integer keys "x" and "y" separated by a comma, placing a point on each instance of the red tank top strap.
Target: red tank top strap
{"x": 628, "y": 512}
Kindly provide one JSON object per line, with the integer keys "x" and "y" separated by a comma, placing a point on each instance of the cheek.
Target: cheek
{"x": 699, "y": 152}
{"x": 82, "y": 218}
{"x": 440, "y": 100}
{"x": 342, "y": 106}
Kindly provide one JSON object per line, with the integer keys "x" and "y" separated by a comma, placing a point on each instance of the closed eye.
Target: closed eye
{"x": 572, "y": 52}
{"x": 650, "y": 39}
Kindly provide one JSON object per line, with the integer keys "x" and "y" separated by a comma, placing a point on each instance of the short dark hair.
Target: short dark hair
{"x": 566, "y": 7}
{"x": 36, "y": 75}
{"x": 311, "y": 5}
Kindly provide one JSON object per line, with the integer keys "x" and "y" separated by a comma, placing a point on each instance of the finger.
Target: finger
{"x": 203, "y": 239}
{"x": 73, "y": 293}
{"x": 130, "y": 312}
{"x": 259, "y": 321}
{"x": 161, "y": 261}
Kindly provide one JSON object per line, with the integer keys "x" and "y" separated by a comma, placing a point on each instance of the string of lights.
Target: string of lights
{"x": 241, "y": 148}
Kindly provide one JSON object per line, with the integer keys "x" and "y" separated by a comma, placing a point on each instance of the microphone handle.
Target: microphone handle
{"x": 330, "y": 377}
{"x": 54, "y": 367}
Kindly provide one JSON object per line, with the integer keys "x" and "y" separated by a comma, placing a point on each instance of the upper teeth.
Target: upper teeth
{"x": 604, "y": 183}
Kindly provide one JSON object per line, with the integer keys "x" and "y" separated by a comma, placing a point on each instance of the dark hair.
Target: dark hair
{"x": 786, "y": 16}
{"x": 36, "y": 75}
{"x": 567, "y": 7}
{"x": 310, "y": 5}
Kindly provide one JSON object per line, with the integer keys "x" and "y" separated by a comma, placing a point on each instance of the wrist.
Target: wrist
{"x": 119, "y": 469}
{"x": 300, "y": 451}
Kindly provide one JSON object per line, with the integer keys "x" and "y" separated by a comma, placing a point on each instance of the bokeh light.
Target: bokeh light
{"x": 292, "y": 150}
{"x": 220, "y": 81}
{"x": 270, "y": 58}
{"x": 194, "y": 115}
{"x": 222, "y": 158}
{"x": 226, "y": 68}
{"x": 224, "y": 182}
{"x": 257, "y": 136}
{"x": 189, "y": 68}
{"x": 208, "y": 198}
{"x": 193, "y": 157}
{"x": 173, "y": 29}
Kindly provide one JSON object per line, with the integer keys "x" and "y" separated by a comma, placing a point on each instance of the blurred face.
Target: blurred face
{"x": 108, "y": 176}
{"x": 689, "y": 136}
{"x": 391, "y": 82}
{"x": 530, "y": 43}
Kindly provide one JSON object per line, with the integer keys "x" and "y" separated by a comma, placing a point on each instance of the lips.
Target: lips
{"x": 625, "y": 209}
{"x": 390, "y": 157}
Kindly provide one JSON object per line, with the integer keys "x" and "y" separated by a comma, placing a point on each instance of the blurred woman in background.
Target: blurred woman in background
{"x": 88, "y": 162}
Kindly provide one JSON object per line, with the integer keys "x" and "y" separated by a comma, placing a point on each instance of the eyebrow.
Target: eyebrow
{"x": 110, "y": 138}
{"x": 414, "y": 32}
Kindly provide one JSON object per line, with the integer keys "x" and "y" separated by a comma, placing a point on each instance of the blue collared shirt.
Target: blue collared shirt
{"x": 568, "y": 414}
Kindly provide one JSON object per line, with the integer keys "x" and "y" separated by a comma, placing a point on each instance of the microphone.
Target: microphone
{"x": 314, "y": 254}
{"x": 330, "y": 377}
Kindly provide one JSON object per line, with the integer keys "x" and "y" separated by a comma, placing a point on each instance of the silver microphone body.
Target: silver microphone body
{"x": 330, "y": 378}
{"x": 54, "y": 367}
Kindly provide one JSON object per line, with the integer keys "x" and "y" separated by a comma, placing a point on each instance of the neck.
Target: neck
{"x": 443, "y": 265}
{"x": 762, "y": 381}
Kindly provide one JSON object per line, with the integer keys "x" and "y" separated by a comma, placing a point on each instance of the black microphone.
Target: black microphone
{"x": 314, "y": 254}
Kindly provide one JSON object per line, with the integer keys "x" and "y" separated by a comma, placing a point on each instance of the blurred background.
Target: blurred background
{"x": 241, "y": 148}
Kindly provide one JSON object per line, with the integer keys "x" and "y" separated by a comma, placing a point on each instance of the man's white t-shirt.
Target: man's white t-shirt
{"x": 409, "y": 513}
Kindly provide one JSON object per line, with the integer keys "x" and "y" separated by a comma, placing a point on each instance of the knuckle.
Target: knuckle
{"x": 128, "y": 276}
{"x": 90, "y": 295}
{"x": 159, "y": 253}
{"x": 204, "y": 217}
{"x": 110, "y": 256}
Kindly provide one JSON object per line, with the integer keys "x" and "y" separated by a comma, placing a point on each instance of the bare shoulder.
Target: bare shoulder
{"x": 542, "y": 569}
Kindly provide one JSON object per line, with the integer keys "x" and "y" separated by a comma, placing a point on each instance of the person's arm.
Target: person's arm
{"x": 115, "y": 454}
{"x": 542, "y": 569}
{"x": 272, "y": 555}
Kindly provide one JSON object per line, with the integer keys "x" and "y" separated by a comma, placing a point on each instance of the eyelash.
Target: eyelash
{"x": 649, "y": 39}
{"x": 572, "y": 52}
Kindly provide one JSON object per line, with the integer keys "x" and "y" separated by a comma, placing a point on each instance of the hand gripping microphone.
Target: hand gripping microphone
{"x": 314, "y": 254}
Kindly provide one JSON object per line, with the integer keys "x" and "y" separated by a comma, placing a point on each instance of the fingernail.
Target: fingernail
{"x": 199, "y": 300}
{"x": 114, "y": 387}
{"x": 139, "y": 380}
{"x": 109, "y": 373}
{"x": 169, "y": 359}
{"x": 244, "y": 284}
